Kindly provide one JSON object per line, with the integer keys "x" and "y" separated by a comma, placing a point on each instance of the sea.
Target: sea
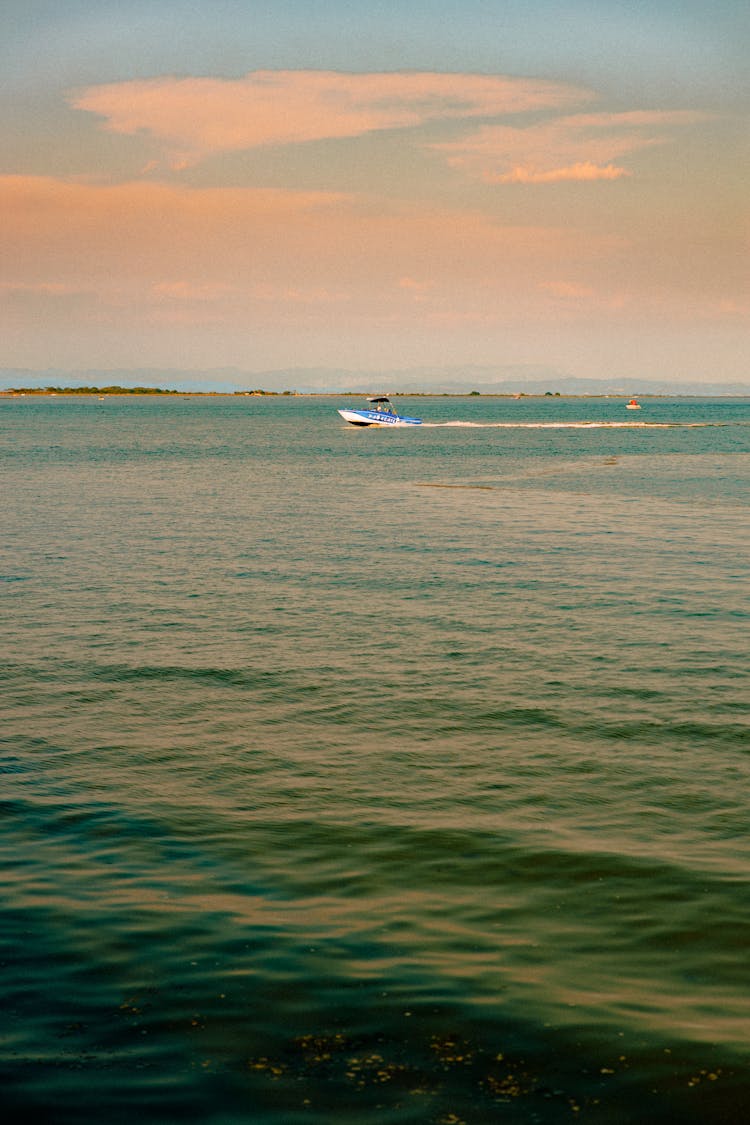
{"x": 377, "y": 776}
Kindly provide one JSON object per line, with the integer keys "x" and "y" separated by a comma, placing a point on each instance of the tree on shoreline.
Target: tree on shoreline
{"x": 112, "y": 390}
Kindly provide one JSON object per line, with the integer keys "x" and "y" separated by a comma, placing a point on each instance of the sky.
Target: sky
{"x": 205, "y": 184}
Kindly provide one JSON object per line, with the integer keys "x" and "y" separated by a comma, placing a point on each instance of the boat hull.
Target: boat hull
{"x": 377, "y": 418}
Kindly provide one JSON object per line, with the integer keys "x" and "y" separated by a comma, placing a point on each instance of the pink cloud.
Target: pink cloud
{"x": 581, "y": 147}
{"x": 188, "y": 291}
{"x": 41, "y": 288}
{"x": 641, "y": 118}
{"x": 252, "y": 259}
{"x": 198, "y": 116}
{"x": 163, "y": 245}
{"x": 567, "y": 290}
{"x": 584, "y": 171}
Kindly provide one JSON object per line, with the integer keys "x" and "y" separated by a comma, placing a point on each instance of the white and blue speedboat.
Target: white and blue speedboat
{"x": 381, "y": 412}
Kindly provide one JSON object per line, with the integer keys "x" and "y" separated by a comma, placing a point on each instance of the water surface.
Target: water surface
{"x": 376, "y": 776}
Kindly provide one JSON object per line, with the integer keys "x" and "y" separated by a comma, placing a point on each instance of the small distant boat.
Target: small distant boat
{"x": 634, "y": 404}
{"x": 381, "y": 412}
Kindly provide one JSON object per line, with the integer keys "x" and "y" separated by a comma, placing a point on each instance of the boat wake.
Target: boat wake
{"x": 572, "y": 425}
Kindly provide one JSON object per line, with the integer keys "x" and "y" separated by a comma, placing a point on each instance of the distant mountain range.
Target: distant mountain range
{"x": 520, "y": 379}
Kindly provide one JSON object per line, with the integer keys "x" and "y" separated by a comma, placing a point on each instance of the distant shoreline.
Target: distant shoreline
{"x": 159, "y": 392}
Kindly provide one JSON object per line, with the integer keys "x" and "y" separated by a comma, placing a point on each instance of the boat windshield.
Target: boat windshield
{"x": 382, "y": 405}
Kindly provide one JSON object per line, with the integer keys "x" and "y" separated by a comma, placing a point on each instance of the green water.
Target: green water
{"x": 365, "y": 776}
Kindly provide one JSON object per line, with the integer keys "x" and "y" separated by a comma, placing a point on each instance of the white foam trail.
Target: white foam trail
{"x": 569, "y": 425}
